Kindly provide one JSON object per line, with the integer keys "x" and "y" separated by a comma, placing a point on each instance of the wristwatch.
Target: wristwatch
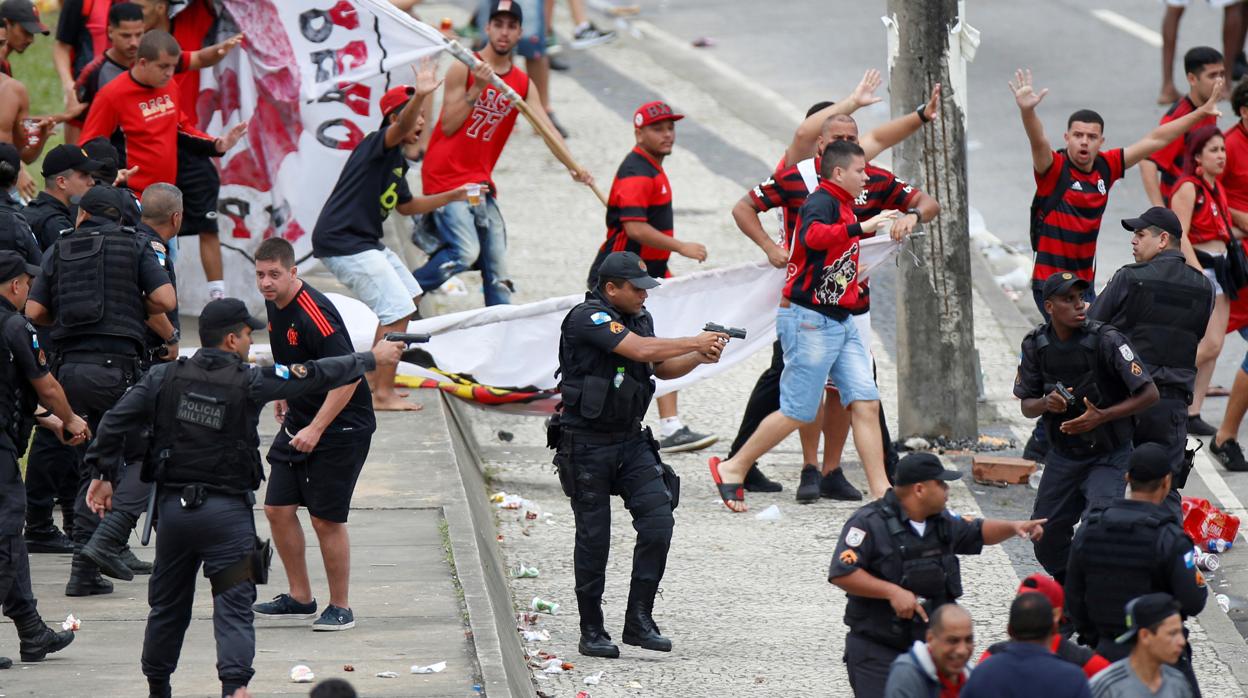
{"x": 921, "y": 110}
{"x": 918, "y": 215}
{"x": 175, "y": 337}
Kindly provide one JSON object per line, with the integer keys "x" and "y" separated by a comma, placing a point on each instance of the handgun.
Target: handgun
{"x": 1065, "y": 394}
{"x": 407, "y": 337}
{"x": 732, "y": 332}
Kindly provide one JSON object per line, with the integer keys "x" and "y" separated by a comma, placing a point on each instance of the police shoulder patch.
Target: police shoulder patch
{"x": 855, "y": 536}
{"x": 599, "y": 318}
{"x": 282, "y": 371}
{"x": 299, "y": 370}
{"x": 158, "y": 246}
{"x": 849, "y": 557}
{"x": 1135, "y": 369}
{"x": 1189, "y": 560}
{"x": 616, "y": 328}
{"x": 1126, "y": 352}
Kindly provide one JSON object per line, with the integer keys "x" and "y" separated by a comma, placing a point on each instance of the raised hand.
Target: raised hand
{"x": 1025, "y": 94}
{"x": 864, "y": 94}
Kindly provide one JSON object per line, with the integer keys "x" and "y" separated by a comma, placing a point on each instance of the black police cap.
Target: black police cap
{"x": 225, "y": 313}
{"x": 13, "y": 265}
{"x": 627, "y": 266}
{"x": 10, "y": 156}
{"x": 1155, "y": 217}
{"x": 1148, "y": 462}
{"x": 103, "y": 201}
{"x": 914, "y": 468}
{"x": 1061, "y": 282}
{"x": 68, "y": 157}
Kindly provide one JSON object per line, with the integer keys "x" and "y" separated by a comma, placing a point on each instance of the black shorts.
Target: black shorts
{"x": 200, "y": 185}
{"x": 323, "y": 480}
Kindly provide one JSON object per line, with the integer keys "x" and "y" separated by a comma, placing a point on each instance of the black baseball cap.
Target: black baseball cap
{"x": 1155, "y": 217}
{"x": 627, "y": 266}
{"x": 511, "y": 7}
{"x": 225, "y": 313}
{"x": 103, "y": 201}
{"x": 25, "y": 13}
{"x": 1148, "y": 462}
{"x": 1061, "y": 282}
{"x": 105, "y": 154}
{"x": 68, "y": 157}
{"x": 1145, "y": 612}
{"x": 13, "y": 265}
{"x": 914, "y": 468}
{"x": 9, "y": 154}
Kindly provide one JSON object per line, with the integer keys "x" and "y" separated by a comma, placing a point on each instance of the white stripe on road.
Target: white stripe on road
{"x": 1129, "y": 26}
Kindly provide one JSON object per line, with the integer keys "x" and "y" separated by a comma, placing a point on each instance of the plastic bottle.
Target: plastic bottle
{"x": 543, "y": 606}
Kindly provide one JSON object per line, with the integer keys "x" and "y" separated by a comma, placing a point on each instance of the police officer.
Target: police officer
{"x": 1132, "y": 547}
{"x": 52, "y": 467}
{"x": 104, "y": 152}
{"x": 24, "y": 384}
{"x": 1085, "y": 379}
{"x": 897, "y": 561}
{"x": 96, "y": 289}
{"x": 205, "y": 458}
{"x": 160, "y": 222}
{"x": 1163, "y": 306}
{"x": 15, "y": 234}
{"x": 608, "y": 355}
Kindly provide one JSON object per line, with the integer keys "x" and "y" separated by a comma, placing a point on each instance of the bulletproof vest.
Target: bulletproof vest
{"x": 97, "y": 292}
{"x": 202, "y": 433}
{"x": 1166, "y": 312}
{"x": 1120, "y": 556}
{"x": 17, "y": 396}
{"x": 924, "y": 565}
{"x": 1075, "y": 364}
{"x": 15, "y": 234}
{"x": 601, "y": 390}
{"x": 47, "y": 220}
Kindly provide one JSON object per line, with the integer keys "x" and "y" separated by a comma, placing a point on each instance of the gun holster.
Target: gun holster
{"x": 1185, "y": 468}
{"x": 670, "y": 479}
{"x": 554, "y": 431}
{"x": 253, "y": 567}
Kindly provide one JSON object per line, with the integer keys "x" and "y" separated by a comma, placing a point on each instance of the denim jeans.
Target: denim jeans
{"x": 473, "y": 237}
{"x": 816, "y": 348}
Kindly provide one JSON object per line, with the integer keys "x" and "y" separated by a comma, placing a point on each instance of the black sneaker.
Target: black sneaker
{"x": 1229, "y": 454}
{"x": 757, "y": 481}
{"x": 685, "y": 439}
{"x": 558, "y": 64}
{"x": 1199, "y": 427}
{"x": 335, "y": 618}
{"x": 590, "y": 36}
{"x": 835, "y": 486}
{"x": 808, "y": 488}
{"x": 285, "y": 606}
{"x": 48, "y": 539}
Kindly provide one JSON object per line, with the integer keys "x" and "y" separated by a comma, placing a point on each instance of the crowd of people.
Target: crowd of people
{"x": 123, "y": 424}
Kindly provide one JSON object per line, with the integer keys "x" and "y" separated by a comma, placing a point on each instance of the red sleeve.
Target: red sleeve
{"x": 102, "y": 119}
{"x": 823, "y": 229}
{"x": 1045, "y": 181}
{"x": 631, "y": 195}
{"x": 1165, "y": 157}
{"x": 901, "y": 195}
{"x": 985, "y": 656}
{"x": 1094, "y": 665}
{"x": 184, "y": 62}
{"x": 766, "y": 195}
{"x": 1117, "y": 160}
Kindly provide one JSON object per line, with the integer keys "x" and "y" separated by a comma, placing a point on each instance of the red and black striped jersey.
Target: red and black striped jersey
{"x": 1066, "y": 237}
{"x": 308, "y": 328}
{"x": 823, "y": 259}
{"x": 1169, "y": 160}
{"x": 1211, "y": 215}
{"x": 640, "y": 192}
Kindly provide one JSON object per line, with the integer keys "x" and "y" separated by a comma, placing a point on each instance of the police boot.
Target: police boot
{"x": 639, "y": 627}
{"x": 67, "y": 519}
{"x": 159, "y": 688}
{"x": 6, "y": 663}
{"x": 136, "y": 565}
{"x": 42, "y": 536}
{"x": 595, "y": 642}
{"x": 38, "y": 640}
{"x": 104, "y": 548}
{"x": 85, "y": 579}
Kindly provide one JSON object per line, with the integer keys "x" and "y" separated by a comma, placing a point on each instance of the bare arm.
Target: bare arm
{"x": 746, "y": 217}
{"x": 162, "y": 300}
{"x": 1164, "y": 134}
{"x": 1183, "y": 202}
{"x": 997, "y": 531}
{"x": 52, "y": 396}
{"x": 160, "y": 324}
{"x": 890, "y": 134}
{"x": 37, "y": 313}
{"x": 803, "y": 144}
{"x": 1240, "y": 220}
{"x": 656, "y": 349}
{"x": 1027, "y": 98}
{"x": 62, "y": 59}
{"x": 211, "y": 55}
{"x": 456, "y": 100}
{"x": 650, "y": 236}
{"x": 1149, "y": 176}
{"x": 409, "y": 118}
{"x": 432, "y": 202}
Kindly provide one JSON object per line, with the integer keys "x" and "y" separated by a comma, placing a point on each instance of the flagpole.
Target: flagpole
{"x": 556, "y": 144}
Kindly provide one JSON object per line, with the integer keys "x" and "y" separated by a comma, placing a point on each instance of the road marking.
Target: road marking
{"x": 1129, "y": 26}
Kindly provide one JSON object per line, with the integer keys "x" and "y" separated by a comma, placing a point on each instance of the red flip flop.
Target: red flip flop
{"x": 732, "y": 492}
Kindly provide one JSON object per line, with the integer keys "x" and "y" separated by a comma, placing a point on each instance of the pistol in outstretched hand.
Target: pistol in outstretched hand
{"x": 407, "y": 337}
{"x": 732, "y": 332}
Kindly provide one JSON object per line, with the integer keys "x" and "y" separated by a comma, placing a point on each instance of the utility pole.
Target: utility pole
{"x": 937, "y": 371}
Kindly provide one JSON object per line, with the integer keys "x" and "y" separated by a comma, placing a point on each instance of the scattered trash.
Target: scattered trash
{"x": 1208, "y": 562}
{"x": 505, "y": 436}
{"x": 593, "y": 679}
{"x": 531, "y": 515}
{"x": 497, "y": 497}
{"x": 703, "y": 42}
{"x": 387, "y": 674}
{"x": 634, "y": 684}
{"x": 1212, "y": 529}
{"x": 71, "y": 623}
{"x": 302, "y": 673}
{"x": 429, "y": 669}
{"x": 348, "y": 667}
{"x": 1224, "y": 603}
{"x": 760, "y": 679}
{"x": 542, "y": 606}
{"x": 582, "y": 694}
{"x": 918, "y": 443}
{"x": 511, "y": 501}
{"x": 526, "y": 618}
{"x": 536, "y": 635}
{"x": 771, "y": 513}
{"x": 522, "y": 572}
{"x": 992, "y": 443}
{"x": 553, "y": 665}
{"x": 1218, "y": 545}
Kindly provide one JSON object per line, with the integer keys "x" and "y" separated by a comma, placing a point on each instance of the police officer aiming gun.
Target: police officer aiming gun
{"x": 205, "y": 458}
{"x": 608, "y": 355}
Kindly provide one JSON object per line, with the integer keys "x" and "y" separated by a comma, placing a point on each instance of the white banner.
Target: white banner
{"x": 308, "y": 82}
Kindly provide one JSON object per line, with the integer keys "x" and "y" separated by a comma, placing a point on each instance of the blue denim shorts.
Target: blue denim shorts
{"x": 818, "y": 348}
{"x": 380, "y": 280}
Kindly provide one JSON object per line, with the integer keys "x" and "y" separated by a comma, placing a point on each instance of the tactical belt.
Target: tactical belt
{"x": 1172, "y": 393}
{"x": 98, "y": 359}
{"x": 601, "y": 437}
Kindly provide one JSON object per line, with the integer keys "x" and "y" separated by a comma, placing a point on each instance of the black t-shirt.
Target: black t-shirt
{"x": 71, "y": 28}
{"x": 29, "y": 360}
{"x": 48, "y": 218}
{"x": 371, "y": 184}
{"x": 152, "y": 240}
{"x": 309, "y": 328}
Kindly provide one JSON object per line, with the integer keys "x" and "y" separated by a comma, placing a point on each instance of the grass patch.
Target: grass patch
{"x": 34, "y": 68}
{"x": 444, "y": 532}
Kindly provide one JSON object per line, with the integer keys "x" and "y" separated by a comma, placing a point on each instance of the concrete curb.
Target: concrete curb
{"x": 482, "y": 573}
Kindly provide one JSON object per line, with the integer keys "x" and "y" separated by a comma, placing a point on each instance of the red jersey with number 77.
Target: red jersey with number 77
{"x": 469, "y": 154}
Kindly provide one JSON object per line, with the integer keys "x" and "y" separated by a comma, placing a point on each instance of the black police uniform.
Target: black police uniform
{"x": 16, "y": 235}
{"x": 205, "y": 452}
{"x": 1163, "y": 307}
{"x": 1125, "y": 550}
{"x": 24, "y": 362}
{"x": 154, "y": 346}
{"x": 92, "y": 282}
{"x": 52, "y": 467}
{"x": 604, "y": 451}
{"x": 1081, "y": 470}
{"x": 882, "y": 541}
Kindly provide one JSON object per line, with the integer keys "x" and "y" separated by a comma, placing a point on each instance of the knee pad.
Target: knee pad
{"x": 655, "y": 523}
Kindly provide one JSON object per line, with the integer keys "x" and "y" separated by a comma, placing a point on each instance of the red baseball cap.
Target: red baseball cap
{"x": 395, "y": 98}
{"x": 654, "y": 112}
{"x": 1046, "y": 585}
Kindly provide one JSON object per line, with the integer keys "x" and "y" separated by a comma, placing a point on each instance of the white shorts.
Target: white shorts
{"x": 1212, "y": 3}
{"x": 380, "y": 280}
{"x": 1213, "y": 279}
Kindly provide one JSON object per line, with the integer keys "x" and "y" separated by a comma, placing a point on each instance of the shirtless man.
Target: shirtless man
{"x": 14, "y": 109}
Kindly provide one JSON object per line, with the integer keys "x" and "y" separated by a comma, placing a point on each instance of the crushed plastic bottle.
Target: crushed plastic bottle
{"x": 1208, "y": 562}
{"x": 771, "y": 513}
{"x": 543, "y": 606}
{"x": 522, "y": 572}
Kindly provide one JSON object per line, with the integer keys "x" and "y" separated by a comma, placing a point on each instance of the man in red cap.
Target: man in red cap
{"x": 347, "y": 236}
{"x": 639, "y": 220}
{"x": 1083, "y": 657}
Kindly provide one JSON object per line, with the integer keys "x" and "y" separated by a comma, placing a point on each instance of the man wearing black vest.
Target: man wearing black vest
{"x": 1086, "y": 380}
{"x": 205, "y": 459}
{"x": 1134, "y": 546}
{"x": 97, "y": 287}
{"x": 1162, "y": 305}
